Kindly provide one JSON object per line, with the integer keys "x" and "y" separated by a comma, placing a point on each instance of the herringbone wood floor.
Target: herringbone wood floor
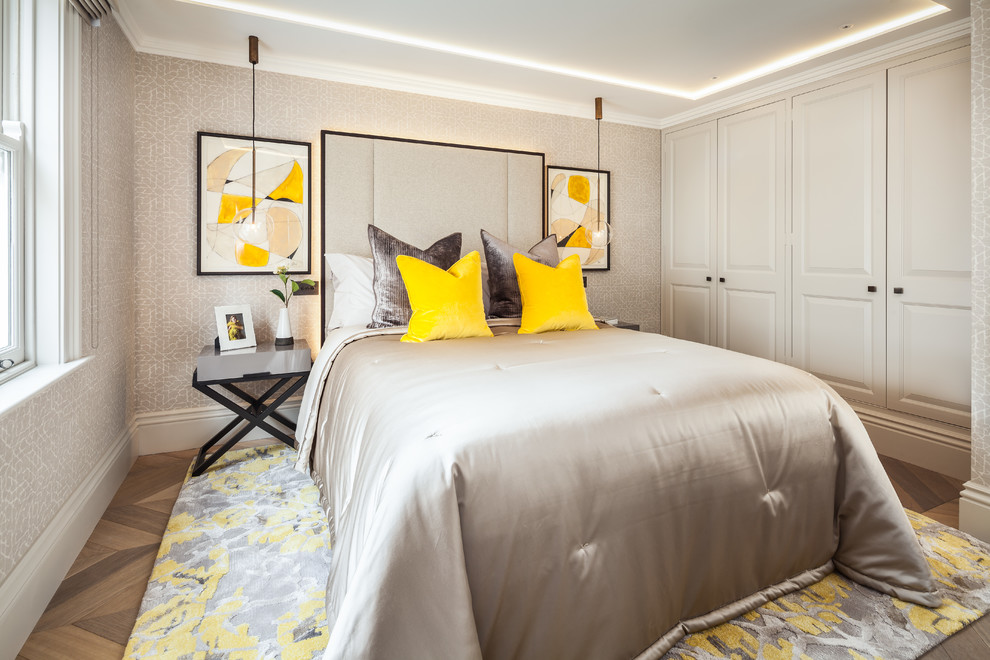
{"x": 91, "y": 615}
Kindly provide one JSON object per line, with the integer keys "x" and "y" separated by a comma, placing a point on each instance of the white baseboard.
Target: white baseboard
{"x": 933, "y": 445}
{"x": 189, "y": 428}
{"x": 974, "y": 510}
{"x": 25, "y": 593}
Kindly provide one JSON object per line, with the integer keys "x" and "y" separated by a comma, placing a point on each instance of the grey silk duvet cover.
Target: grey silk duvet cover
{"x": 589, "y": 494}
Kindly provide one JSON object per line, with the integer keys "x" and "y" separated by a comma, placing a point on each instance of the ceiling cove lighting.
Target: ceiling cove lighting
{"x": 829, "y": 47}
{"x": 406, "y": 40}
{"x": 391, "y": 37}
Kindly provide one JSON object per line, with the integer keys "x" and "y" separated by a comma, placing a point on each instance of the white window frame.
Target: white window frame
{"x": 13, "y": 356}
{"x": 41, "y": 42}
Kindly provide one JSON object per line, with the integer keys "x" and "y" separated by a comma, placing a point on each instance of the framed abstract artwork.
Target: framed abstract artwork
{"x": 578, "y": 213}
{"x": 235, "y": 237}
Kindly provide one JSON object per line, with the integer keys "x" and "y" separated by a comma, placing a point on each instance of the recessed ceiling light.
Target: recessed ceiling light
{"x": 846, "y": 26}
{"x": 252, "y": 9}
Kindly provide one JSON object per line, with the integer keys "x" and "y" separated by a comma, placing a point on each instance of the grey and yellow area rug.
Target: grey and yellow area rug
{"x": 838, "y": 618}
{"x": 243, "y": 565}
{"x": 242, "y": 569}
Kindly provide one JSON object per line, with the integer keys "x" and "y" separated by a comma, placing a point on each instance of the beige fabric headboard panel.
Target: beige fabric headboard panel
{"x": 422, "y": 191}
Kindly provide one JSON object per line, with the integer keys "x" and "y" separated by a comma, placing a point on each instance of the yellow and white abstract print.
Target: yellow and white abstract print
{"x": 254, "y": 212}
{"x": 578, "y": 213}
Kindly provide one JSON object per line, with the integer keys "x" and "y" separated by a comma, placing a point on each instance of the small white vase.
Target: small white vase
{"x": 283, "y": 334}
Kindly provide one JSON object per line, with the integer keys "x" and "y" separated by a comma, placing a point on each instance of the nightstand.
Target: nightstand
{"x": 625, "y": 325}
{"x": 219, "y": 371}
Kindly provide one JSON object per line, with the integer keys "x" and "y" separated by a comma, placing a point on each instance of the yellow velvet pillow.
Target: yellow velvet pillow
{"x": 446, "y": 304}
{"x": 552, "y": 298}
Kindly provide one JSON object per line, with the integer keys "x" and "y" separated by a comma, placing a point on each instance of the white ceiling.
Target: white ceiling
{"x": 651, "y": 60}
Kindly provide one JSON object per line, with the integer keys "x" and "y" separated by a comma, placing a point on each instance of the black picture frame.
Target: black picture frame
{"x": 557, "y": 176}
{"x": 218, "y": 250}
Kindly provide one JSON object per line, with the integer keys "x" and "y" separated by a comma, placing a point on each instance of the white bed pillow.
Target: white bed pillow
{"x": 353, "y": 296}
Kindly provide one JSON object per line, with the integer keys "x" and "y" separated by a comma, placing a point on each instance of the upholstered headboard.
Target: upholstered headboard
{"x": 421, "y": 191}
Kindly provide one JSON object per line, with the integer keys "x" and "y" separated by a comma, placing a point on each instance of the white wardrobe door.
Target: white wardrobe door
{"x": 751, "y": 212}
{"x": 688, "y": 303}
{"x": 928, "y": 233}
{"x": 838, "y": 236}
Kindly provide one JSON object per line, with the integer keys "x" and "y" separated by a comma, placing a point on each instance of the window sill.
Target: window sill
{"x": 22, "y": 387}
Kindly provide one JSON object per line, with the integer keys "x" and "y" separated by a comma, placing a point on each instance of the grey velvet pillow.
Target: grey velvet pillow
{"x": 502, "y": 282}
{"x": 391, "y": 300}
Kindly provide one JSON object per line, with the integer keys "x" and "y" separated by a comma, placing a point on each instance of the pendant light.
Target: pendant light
{"x": 253, "y": 59}
{"x": 598, "y": 231}
{"x": 253, "y": 229}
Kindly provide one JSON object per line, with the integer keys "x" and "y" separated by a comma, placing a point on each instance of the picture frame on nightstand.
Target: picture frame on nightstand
{"x": 235, "y": 329}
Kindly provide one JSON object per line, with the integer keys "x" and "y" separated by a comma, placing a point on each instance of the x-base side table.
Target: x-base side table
{"x": 221, "y": 372}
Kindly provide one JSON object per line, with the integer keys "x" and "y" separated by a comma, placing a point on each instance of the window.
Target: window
{"x": 11, "y": 251}
{"x": 39, "y": 173}
{"x": 12, "y": 334}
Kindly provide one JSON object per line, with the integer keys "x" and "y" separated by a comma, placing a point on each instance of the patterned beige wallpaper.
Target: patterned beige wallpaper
{"x": 175, "y": 98}
{"x": 51, "y": 442}
{"x": 980, "y": 13}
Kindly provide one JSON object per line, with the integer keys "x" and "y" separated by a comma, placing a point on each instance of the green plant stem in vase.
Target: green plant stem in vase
{"x": 283, "y": 333}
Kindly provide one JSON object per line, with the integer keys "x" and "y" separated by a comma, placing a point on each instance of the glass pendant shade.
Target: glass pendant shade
{"x": 599, "y": 234}
{"x": 255, "y": 228}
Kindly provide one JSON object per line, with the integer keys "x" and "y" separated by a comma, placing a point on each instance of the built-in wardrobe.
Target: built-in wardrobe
{"x": 829, "y": 228}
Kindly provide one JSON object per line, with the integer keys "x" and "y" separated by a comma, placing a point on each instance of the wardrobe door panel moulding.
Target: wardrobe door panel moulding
{"x": 751, "y": 154}
{"x": 688, "y": 301}
{"x": 928, "y": 233}
{"x": 838, "y": 216}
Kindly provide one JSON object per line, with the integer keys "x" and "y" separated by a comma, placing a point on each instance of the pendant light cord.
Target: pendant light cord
{"x": 254, "y": 165}
{"x": 598, "y": 120}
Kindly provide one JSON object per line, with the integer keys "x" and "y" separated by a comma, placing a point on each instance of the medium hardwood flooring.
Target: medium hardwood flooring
{"x": 94, "y": 609}
{"x": 91, "y": 615}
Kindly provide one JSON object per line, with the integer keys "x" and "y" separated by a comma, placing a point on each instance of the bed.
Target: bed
{"x": 593, "y": 493}
{"x": 582, "y": 494}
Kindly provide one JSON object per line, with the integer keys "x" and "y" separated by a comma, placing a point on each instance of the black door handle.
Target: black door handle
{"x": 898, "y": 289}
{"x": 708, "y": 279}
{"x": 721, "y": 279}
{"x": 871, "y": 289}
